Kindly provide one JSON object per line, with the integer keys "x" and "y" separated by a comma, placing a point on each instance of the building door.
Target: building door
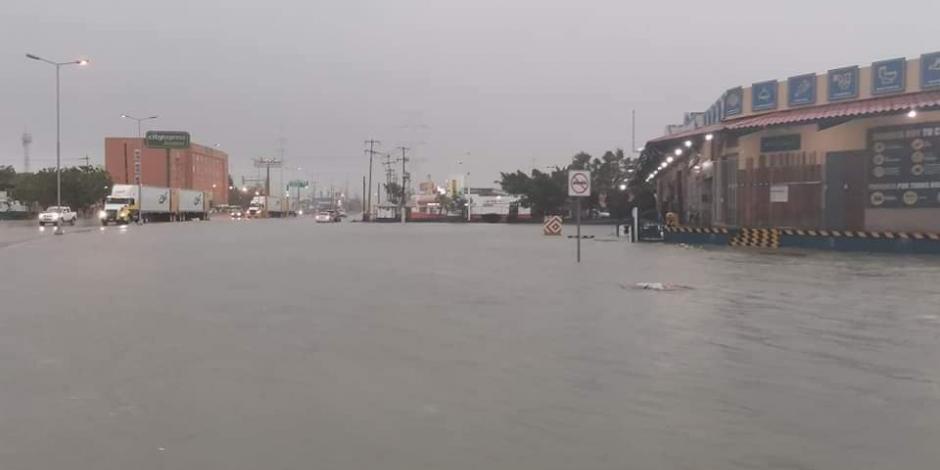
{"x": 845, "y": 190}
{"x": 728, "y": 190}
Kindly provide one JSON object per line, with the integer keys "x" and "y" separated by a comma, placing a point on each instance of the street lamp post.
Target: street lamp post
{"x": 58, "y": 133}
{"x": 139, "y": 120}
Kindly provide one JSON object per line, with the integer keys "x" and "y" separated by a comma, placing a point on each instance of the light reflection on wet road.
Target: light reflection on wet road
{"x": 286, "y": 344}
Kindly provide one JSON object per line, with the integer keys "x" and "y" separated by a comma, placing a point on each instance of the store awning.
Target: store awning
{"x": 689, "y": 133}
{"x": 887, "y": 104}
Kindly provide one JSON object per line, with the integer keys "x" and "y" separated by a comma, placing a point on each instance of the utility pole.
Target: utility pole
{"x": 267, "y": 164}
{"x": 633, "y": 135}
{"x": 404, "y": 182}
{"x": 27, "y": 139}
{"x": 367, "y": 211}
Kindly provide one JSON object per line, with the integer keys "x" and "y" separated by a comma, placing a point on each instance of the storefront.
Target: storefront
{"x": 857, "y": 149}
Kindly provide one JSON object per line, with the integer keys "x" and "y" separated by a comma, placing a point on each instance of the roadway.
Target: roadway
{"x": 288, "y": 344}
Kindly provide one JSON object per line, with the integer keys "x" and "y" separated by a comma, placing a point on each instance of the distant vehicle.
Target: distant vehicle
{"x": 130, "y": 202}
{"x": 236, "y": 214}
{"x": 275, "y": 206}
{"x": 155, "y": 204}
{"x": 328, "y": 217}
{"x": 57, "y": 215}
{"x": 190, "y": 204}
{"x": 650, "y": 231}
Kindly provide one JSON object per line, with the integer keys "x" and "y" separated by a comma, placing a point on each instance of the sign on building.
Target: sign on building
{"x": 801, "y": 90}
{"x": 579, "y": 183}
{"x": 136, "y": 166}
{"x": 780, "y": 193}
{"x": 780, "y": 143}
{"x": 167, "y": 140}
{"x": 904, "y": 166}
{"x": 930, "y": 70}
{"x": 843, "y": 83}
{"x": 888, "y": 76}
{"x": 764, "y": 95}
{"x": 734, "y": 100}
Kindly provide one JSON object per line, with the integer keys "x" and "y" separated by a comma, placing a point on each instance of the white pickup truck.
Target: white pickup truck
{"x": 57, "y": 215}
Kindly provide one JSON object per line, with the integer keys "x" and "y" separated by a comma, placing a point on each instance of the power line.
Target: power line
{"x": 372, "y": 143}
{"x": 404, "y": 181}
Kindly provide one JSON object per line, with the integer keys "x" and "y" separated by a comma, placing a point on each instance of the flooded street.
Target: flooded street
{"x": 284, "y": 344}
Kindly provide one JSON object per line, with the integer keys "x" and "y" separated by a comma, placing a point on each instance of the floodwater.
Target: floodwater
{"x": 284, "y": 344}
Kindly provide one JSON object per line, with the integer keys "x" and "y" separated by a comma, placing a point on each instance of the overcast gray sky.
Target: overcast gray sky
{"x": 510, "y": 82}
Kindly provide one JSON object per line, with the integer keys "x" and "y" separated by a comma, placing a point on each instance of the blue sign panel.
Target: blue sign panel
{"x": 734, "y": 100}
{"x": 801, "y": 90}
{"x": 764, "y": 95}
{"x": 888, "y": 76}
{"x": 843, "y": 83}
{"x": 930, "y": 70}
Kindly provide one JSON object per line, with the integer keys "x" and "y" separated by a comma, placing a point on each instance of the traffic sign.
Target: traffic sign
{"x": 167, "y": 140}
{"x": 552, "y": 225}
{"x": 579, "y": 183}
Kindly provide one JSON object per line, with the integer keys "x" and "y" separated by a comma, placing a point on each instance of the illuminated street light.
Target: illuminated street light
{"x": 678, "y": 152}
{"x": 670, "y": 160}
{"x": 623, "y": 186}
{"x": 912, "y": 113}
{"x": 58, "y": 143}
{"x": 709, "y": 137}
{"x": 688, "y": 144}
{"x": 139, "y": 120}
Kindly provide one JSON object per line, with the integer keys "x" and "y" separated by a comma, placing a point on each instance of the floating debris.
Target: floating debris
{"x": 659, "y": 286}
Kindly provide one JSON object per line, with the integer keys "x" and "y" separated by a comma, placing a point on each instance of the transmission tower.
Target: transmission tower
{"x": 27, "y": 141}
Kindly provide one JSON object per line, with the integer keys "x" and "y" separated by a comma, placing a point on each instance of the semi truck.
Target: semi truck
{"x": 130, "y": 203}
{"x": 274, "y": 206}
{"x": 190, "y": 204}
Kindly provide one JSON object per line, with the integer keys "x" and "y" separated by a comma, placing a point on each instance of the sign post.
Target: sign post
{"x": 579, "y": 186}
{"x": 635, "y": 236}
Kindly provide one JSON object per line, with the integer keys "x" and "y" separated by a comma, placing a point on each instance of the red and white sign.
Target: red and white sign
{"x": 579, "y": 183}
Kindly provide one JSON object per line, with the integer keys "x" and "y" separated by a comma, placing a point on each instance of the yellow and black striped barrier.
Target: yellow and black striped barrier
{"x": 842, "y": 240}
{"x": 703, "y": 230}
{"x": 863, "y": 234}
{"x": 757, "y": 237}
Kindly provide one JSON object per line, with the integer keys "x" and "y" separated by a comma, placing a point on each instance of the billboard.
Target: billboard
{"x": 842, "y": 84}
{"x": 801, "y": 90}
{"x": 734, "y": 102}
{"x": 904, "y": 166}
{"x": 764, "y": 95}
{"x": 930, "y": 70}
{"x": 888, "y": 76}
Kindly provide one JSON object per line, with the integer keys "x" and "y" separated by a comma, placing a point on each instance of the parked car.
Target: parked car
{"x": 57, "y": 215}
{"x": 324, "y": 217}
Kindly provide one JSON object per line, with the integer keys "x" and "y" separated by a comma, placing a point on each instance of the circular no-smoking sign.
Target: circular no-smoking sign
{"x": 579, "y": 183}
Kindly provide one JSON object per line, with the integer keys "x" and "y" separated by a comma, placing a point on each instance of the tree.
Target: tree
{"x": 82, "y": 186}
{"x": 447, "y": 204}
{"x": 393, "y": 192}
{"x": 544, "y": 193}
{"x": 547, "y": 193}
{"x": 237, "y": 197}
{"x": 7, "y": 178}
